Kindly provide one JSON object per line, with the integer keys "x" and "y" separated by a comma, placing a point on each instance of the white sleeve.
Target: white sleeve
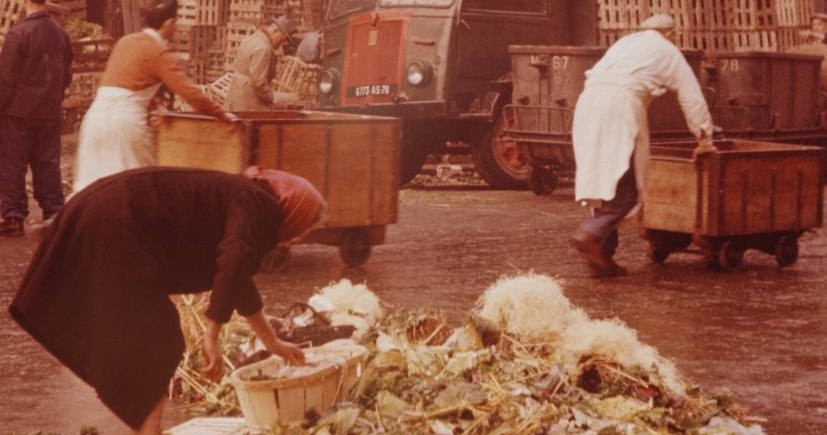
{"x": 690, "y": 96}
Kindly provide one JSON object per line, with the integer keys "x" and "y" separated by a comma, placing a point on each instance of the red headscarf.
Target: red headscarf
{"x": 300, "y": 202}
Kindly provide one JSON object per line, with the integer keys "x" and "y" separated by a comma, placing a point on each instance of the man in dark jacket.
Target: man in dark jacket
{"x": 34, "y": 73}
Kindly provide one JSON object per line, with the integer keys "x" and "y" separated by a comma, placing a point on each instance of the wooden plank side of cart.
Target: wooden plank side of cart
{"x": 352, "y": 159}
{"x": 747, "y": 188}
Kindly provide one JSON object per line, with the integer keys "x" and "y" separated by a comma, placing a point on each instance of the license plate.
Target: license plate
{"x": 371, "y": 90}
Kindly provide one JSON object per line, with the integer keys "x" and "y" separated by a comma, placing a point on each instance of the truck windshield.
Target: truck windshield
{"x": 339, "y": 8}
{"x": 419, "y": 3}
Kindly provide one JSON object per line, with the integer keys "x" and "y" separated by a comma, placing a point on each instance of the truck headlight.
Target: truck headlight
{"x": 419, "y": 73}
{"x": 328, "y": 81}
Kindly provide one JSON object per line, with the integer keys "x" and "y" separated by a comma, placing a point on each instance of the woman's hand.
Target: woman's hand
{"x": 290, "y": 352}
{"x": 213, "y": 356}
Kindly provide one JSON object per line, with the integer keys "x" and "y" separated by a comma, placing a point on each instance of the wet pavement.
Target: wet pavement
{"x": 759, "y": 332}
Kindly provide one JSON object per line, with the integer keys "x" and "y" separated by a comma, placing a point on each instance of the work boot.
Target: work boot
{"x": 613, "y": 270}
{"x": 592, "y": 251}
{"x": 12, "y": 228}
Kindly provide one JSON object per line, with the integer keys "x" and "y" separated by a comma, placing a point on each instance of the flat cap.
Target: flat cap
{"x": 659, "y": 22}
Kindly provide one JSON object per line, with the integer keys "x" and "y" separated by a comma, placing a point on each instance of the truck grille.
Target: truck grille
{"x": 374, "y": 62}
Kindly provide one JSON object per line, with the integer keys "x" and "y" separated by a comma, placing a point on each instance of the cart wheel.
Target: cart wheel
{"x": 786, "y": 250}
{"x": 541, "y": 180}
{"x": 355, "y": 246}
{"x": 657, "y": 254}
{"x": 730, "y": 256}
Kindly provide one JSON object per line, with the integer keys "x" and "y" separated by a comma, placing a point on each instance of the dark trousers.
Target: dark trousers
{"x": 604, "y": 220}
{"x": 31, "y": 143}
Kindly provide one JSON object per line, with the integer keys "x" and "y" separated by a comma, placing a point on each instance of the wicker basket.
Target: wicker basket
{"x": 333, "y": 370}
{"x": 298, "y": 77}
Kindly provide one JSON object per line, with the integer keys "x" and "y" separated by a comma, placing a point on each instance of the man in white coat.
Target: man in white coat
{"x": 611, "y": 131}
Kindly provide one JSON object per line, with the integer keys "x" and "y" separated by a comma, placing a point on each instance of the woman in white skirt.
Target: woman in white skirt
{"x": 115, "y": 134}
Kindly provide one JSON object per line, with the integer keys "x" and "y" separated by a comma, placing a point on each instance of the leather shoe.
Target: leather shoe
{"x": 12, "y": 228}
{"x": 613, "y": 270}
{"x": 600, "y": 264}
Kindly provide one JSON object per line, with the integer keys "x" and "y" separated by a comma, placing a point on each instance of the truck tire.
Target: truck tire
{"x": 500, "y": 163}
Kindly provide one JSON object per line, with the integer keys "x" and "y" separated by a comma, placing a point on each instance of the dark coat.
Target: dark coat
{"x": 96, "y": 292}
{"x": 35, "y": 68}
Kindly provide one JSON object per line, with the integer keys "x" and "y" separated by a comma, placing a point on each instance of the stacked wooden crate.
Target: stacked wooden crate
{"x": 209, "y": 32}
{"x": 713, "y": 25}
{"x": 9, "y": 12}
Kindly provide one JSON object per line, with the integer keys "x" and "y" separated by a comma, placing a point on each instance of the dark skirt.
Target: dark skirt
{"x": 91, "y": 297}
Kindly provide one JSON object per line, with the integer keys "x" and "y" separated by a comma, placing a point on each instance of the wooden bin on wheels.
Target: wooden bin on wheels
{"x": 748, "y": 195}
{"x": 353, "y": 160}
{"x": 547, "y": 81}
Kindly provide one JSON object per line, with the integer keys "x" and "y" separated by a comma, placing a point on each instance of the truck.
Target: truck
{"x": 443, "y": 67}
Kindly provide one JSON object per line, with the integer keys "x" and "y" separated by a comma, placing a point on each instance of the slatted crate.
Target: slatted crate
{"x": 294, "y": 75}
{"x": 212, "y": 12}
{"x": 715, "y": 25}
{"x": 236, "y": 32}
{"x": 181, "y": 40}
{"x": 252, "y": 10}
{"x": 793, "y": 13}
{"x": 754, "y": 40}
{"x": 187, "y": 13}
{"x": 201, "y": 39}
{"x": 9, "y": 10}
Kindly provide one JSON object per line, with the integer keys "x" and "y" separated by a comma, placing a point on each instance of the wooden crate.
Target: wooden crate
{"x": 252, "y": 10}
{"x": 293, "y": 75}
{"x": 746, "y": 188}
{"x": 212, "y": 12}
{"x": 219, "y": 87}
{"x": 181, "y": 40}
{"x": 187, "y": 13}
{"x": 353, "y": 160}
{"x": 9, "y": 11}
{"x": 236, "y": 32}
{"x": 765, "y": 25}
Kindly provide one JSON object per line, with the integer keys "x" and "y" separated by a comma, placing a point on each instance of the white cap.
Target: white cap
{"x": 658, "y": 22}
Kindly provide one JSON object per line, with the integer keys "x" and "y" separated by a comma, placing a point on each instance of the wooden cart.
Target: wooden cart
{"x": 748, "y": 195}
{"x": 353, "y": 160}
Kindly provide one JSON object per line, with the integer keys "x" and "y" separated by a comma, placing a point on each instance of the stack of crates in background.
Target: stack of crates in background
{"x": 209, "y": 32}
{"x": 9, "y": 11}
{"x": 713, "y": 25}
{"x": 294, "y": 75}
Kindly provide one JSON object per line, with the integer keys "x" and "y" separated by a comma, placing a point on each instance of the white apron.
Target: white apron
{"x": 610, "y": 126}
{"x": 610, "y": 120}
{"x": 114, "y": 135}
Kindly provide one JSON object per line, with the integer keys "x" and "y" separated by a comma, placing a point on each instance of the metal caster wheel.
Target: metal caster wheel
{"x": 786, "y": 250}
{"x": 657, "y": 254}
{"x": 730, "y": 256}
{"x": 355, "y": 246}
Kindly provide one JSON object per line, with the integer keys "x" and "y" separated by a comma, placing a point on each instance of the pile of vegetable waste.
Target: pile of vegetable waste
{"x": 525, "y": 362}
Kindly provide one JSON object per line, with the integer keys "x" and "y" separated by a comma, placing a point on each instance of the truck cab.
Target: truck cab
{"x": 443, "y": 67}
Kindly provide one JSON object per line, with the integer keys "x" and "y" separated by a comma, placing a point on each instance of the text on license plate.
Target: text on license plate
{"x": 370, "y": 90}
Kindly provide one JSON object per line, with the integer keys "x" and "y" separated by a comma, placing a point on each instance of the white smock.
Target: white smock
{"x": 115, "y": 134}
{"x": 610, "y": 119}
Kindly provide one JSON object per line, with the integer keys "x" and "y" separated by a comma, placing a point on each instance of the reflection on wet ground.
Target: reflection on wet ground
{"x": 759, "y": 332}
